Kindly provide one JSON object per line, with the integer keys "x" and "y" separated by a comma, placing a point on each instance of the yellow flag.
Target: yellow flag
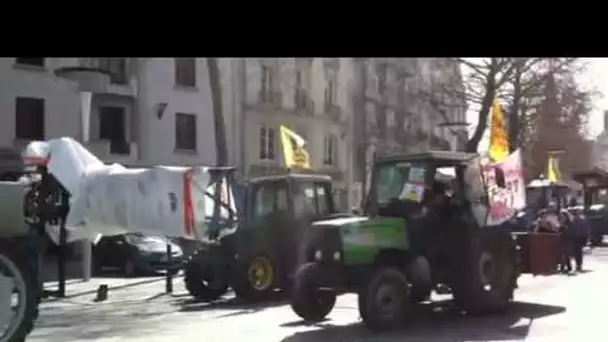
{"x": 294, "y": 151}
{"x": 553, "y": 173}
{"x": 499, "y": 142}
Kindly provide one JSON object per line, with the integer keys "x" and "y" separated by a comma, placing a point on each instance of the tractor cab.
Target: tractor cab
{"x": 539, "y": 250}
{"x": 403, "y": 184}
{"x": 542, "y": 193}
{"x": 595, "y": 200}
{"x": 292, "y": 196}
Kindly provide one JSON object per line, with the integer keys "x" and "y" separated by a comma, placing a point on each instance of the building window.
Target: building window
{"x": 267, "y": 143}
{"x": 185, "y": 132}
{"x": 185, "y": 72}
{"x": 31, "y": 61}
{"x": 300, "y": 99}
{"x": 29, "y": 118}
{"x": 112, "y": 127}
{"x": 117, "y": 67}
{"x": 381, "y": 71}
{"x": 330, "y": 150}
{"x": 330, "y": 95}
{"x": 267, "y": 84}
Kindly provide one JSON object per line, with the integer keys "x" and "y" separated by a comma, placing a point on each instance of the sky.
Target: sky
{"x": 595, "y": 77}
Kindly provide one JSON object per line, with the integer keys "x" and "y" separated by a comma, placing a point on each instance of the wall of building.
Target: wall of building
{"x": 151, "y": 81}
{"x": 157, "y": 137}
{"x": 61, "y": 99}
{"x": 311, "y": 122}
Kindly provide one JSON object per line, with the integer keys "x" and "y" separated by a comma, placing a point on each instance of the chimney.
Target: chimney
{"x": 606, "y": 121}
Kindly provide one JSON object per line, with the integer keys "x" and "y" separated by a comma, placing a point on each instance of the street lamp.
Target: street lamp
{"x": 89, "y": 81}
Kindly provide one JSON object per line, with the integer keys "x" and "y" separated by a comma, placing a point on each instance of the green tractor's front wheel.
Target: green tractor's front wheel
{"x": 384, "y": 301}
{"x": 202, "y": 280}
{"x": 307, "y": 299}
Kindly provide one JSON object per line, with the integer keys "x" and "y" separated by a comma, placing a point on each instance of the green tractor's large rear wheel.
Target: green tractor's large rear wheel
{"x": 385, "y": 300}
{"x": 307, "y": 299}
{"x": 256, "y": 277}
{"x": 486, "y": 276}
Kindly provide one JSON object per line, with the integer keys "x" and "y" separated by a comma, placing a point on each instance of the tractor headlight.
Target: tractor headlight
{"x": 337, "y": 256}
{"x": 318, "y": 255}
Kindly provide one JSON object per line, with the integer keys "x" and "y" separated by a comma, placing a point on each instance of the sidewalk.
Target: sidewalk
{"x": 120, "y": 290}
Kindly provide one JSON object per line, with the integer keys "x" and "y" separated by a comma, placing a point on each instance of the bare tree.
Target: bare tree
{"x": 560, "y": 122}
{"x": 512, "y": 79}
{"x": 524, "y": 90}
{"x": 219, "y": 127}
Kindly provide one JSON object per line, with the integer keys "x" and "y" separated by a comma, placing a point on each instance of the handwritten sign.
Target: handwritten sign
{"x": 505, "y": 201}
{"x": 413, "y": 192}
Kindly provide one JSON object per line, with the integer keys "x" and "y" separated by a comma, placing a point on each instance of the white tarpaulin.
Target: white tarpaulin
{"x": 112, "y": 199}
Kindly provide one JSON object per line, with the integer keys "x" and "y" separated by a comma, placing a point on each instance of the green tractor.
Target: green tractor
{"x": 398, "y": 253}
{"x": 258, "y": 255}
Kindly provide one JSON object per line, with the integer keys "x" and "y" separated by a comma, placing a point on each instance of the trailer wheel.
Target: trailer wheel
{"x": 385, "y": 300}
{"x": 486, "y": 278}
{"x": 14, "y": 264}
{"x": 307, "y": 300}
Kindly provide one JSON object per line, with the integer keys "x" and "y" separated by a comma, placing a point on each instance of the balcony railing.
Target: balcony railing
{"x": 117, "y": 67}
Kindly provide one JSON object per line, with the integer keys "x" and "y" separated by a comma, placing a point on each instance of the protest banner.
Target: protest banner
{"x": 504, "y": 202}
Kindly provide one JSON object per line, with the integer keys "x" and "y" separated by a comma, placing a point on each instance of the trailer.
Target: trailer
{"x": 65, "y": 193}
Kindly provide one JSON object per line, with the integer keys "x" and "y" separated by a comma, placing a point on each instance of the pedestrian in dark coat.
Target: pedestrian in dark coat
{"x": 580, "y": 234}
{"x": 566, "y": 242}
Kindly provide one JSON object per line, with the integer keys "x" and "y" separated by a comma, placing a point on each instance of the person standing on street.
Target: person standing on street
{"x": 565, "y": 237}
{"x": 580, "y": 235}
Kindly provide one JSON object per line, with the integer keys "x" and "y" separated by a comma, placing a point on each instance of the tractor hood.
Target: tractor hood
{"x": 365, "y": 231}
{"x": 356, "y": 238}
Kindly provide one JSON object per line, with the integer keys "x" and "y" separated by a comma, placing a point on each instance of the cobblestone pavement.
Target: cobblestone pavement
{"x": 556, "y": 308}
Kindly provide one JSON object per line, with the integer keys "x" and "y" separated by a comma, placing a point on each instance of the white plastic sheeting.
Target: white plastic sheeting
{"x": 115, "y": 200}
{"x": 112, "y": 199}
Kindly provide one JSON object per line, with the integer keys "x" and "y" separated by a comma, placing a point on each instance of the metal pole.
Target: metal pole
{"x": 242, "y": 128}
{"x": 61, "y": 260}
{"x": 85, "y": 110}
{"x": 169, "y": 274}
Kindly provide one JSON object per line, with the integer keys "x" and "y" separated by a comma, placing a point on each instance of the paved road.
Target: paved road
{"x": 546, "y": 309}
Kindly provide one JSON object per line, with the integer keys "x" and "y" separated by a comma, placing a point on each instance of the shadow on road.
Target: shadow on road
{"x": 437, "y": 322}
{"x": 110, "y": 288}
{"x": 244, "y": 307}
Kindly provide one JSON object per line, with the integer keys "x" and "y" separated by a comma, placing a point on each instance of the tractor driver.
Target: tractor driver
{"x": 439, "y": 210}
{"x": 438, "y": 202}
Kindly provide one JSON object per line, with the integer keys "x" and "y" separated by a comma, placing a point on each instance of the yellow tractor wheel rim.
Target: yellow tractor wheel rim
{"x": 260, "y": 273}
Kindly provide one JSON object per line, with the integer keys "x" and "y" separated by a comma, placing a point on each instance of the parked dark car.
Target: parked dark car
{"x": 136, "y": 254}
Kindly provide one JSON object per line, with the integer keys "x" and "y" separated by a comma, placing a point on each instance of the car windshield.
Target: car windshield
{"x": 391, "y": 178}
